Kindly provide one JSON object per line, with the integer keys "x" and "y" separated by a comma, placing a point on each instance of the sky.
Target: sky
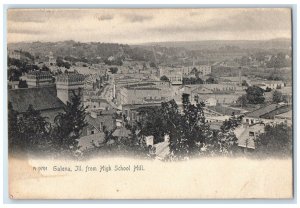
{"x": 134, "y": 26}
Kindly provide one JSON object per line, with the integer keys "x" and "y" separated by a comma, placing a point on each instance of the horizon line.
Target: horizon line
{"x": 143, "y": 43}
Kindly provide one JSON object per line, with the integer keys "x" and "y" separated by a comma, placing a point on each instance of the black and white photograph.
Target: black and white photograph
{"x": 150, "y": 103}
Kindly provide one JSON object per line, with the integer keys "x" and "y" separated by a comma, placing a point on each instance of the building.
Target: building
{"x": 67, "y": 84}
{"x": 266, "y": 114}
{"x": 237, "y": 80}
{"x": 43, "y": 99}
{"x": 287, "y": 91}
{"x": 20, "y": 55}
{"x": 204, "y": 70}
{"x": 213, "y": 94}
{"x": 99, "y": 121}
{"x": 174, "y": 75}
{"x": 138, "y": 94}
{"x": 286, "y": 118}
{"x": 131, "y": 113}
{"x": 272, "y": 84}
{"x": 39, "y": 79}
{"x": 95, "y": 102}
{"x": 247, "y": 134}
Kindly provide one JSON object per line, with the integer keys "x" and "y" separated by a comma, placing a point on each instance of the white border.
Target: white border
{"x": 136, "y": 2}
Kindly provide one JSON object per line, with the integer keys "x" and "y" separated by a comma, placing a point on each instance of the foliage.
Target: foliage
{"x": 244, "y": 83}
{"x": 211, "y": 80}
{"x": 224, "y": 141}
{"x": 150, "y": 123}
{"x": 70, "y": 123}
{"x": 242, "y": 100}
{"x": 13, "y": 128}
{"x": 187, "y": 131}
{"x": 192, "y": 80}
{"x": 276, "y": 141}
{"x": 118, "y": 61}
{"x": 278, "y": 97}
{"x": 164, "y": 78}
{"x": 14, "y": 73}
{"x": 268, "y": 89}
{"x": 61, "y": 63}
{"x": 23, "y": 84}
{"x": 34, "y": 129}
{"x": 113, "y": 70}
{"x": 153, "y": 65}
{"x": 255, "y": 95}
{"x": 45, "y": 68}
{"x": 278, "y": 61}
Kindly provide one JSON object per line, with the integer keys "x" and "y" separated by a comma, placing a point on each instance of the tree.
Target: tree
{"x": 276, "y": 141}
{"x": 278, "y": 97}
{"x": 45, "y": 68}
{"x": 153, "y": 65}
{"x": 255, "y": 95}
{"x": 188, "y": 130}
{"x": 278, "y": 61}
{"x": 224, "y": 141}
{"x": 242, "y": 100}
{"x": 151, "y": 124}
{"x": 244, "y": 83}
{"x": 211, "y": 80}
{"x": 268, "y": 89}
{"x": 164, "y": 78}
{"x": 70, "y": 123}
{"x": 23, "y": 84}
{"x": 113, "y": 70}
{"x": 192, "y": 80}
{"x": 194, "y": 70}
{"x": 34, "y": 129}
{"x": 13, "y": 128}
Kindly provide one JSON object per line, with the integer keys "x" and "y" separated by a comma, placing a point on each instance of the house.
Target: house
{"x": 286, "y": 117}
{"x": 213, "y": 94}
{"x": 95, "y": 102}
{"x": 272, "y": 84}
{"x": 43, "y": 99}
{"x": 160, "y": 150}
{"x": 265, "y": 114}
{"x": 287, "y": 91}
{"x": 237, "y": 80}
{"x": 90, "y": 141}
{"x": 121, "y": 132}
{"x": 174, "y": 75}
{"x": 247, "y": 134}
{"x": 99, "y": 121}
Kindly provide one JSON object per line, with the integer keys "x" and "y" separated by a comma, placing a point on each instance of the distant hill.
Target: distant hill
{"x": 281, "y": 43}
{"x": 92, "y": 50}
{"x": 172, "y": 53}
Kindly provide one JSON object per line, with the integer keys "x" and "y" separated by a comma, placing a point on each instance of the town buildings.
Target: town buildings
{"x": 39, "y": 79}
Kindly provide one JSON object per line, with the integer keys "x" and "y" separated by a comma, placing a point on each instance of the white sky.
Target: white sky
{"x": 147, "y": 25}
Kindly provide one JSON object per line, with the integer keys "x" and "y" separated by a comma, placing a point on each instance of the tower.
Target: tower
{"x": 66, "y": 84}
{"x": 240, "y": 76}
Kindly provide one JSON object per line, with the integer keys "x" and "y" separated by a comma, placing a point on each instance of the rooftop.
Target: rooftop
{"x": 264, "y": 110}
{"x": 287, "y": 115}
{"x": 40, "y": 98}
{"x": 70, "y": 77}
{"x": 86, "y": 142}
{"x": 121, "y": 132}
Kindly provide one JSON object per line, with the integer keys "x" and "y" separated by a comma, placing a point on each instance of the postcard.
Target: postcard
{"x": 160, "y": 103}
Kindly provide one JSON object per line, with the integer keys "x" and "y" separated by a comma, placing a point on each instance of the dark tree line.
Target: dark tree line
{"x": 32, "y": 131}
{"x": 189, "y": 134}
{"x": 275, "y": 141}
